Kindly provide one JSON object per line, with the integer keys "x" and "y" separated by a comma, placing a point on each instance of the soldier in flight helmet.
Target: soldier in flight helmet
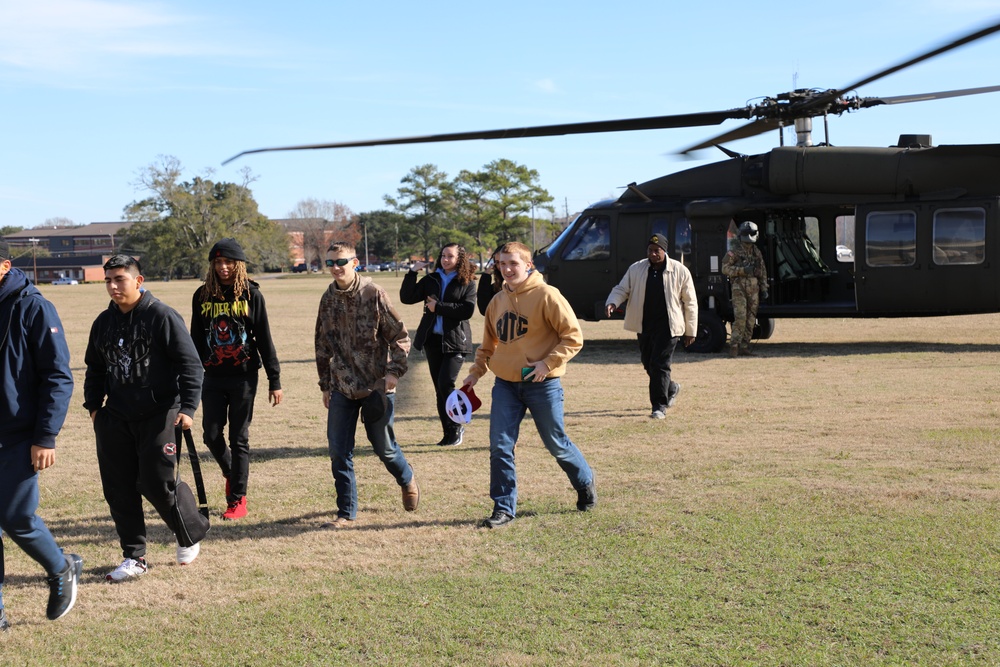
{"x": 744, "y": 265}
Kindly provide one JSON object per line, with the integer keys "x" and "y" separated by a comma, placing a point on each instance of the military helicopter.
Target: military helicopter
{"x": 902, "y": 231}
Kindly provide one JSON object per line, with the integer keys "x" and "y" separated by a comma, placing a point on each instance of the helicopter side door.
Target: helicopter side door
{"x": 926, "y": 258}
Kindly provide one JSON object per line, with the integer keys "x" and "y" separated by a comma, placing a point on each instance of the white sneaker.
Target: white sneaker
{"x": 186, "y": 555}
{"x": 129, "y": 568}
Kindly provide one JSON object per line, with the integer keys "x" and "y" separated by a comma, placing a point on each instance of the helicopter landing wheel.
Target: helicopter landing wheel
{"x": 711, "y": 333}
{"x": 763, "y": 329}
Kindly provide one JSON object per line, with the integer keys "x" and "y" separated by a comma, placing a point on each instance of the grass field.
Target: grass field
{"x": 831, "y": 502}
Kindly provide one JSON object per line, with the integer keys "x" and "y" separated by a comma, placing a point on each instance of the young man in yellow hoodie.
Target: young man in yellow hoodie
{"x": 530, "y": 335}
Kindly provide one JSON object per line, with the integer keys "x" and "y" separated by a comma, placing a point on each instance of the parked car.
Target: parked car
{"x": 65, "y": 281}
{"x": 300, "y": 268}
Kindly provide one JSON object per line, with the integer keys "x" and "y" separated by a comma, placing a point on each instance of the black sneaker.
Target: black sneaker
{"x": 452, "y": 439}
{"x": 62, "y": 588}
{"x": 586, "y": 498}
{"x": 4, "y": 625}
{"x": 497, "y": 519}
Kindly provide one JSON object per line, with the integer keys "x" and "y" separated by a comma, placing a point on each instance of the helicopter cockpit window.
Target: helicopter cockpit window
{"x": 591, "y": 240}
{"x": 891, "y": 238}
{"x": 960, "y": 236}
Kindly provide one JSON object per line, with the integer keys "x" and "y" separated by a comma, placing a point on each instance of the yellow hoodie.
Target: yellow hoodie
{"x": 532, "y": 322}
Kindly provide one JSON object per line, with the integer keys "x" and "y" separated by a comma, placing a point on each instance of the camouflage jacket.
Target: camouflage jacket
{"x": 360, "y": 338}
{"x": 745, "y": 261}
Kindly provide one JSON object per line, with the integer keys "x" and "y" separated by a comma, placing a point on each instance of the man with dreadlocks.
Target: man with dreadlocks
{"x": 230, "y": 329}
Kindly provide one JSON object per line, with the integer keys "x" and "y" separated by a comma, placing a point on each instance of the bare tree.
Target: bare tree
{"x": 321, "y": 222}
{"x": 58, "y": 223}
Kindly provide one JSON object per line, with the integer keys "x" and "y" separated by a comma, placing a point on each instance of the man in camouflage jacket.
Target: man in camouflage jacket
{"x": 361, "y": 348}
{"x": 744, "y": 265}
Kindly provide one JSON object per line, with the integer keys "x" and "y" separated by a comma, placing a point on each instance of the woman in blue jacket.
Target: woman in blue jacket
{"x": 449, "y": 296}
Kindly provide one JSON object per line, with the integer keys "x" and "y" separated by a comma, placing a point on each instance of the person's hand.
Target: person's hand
{"x": 418, "y": 265}
{"x": 431, "y": 303}
{"x": 470, "y": 380}
{"x": 185, "y": 422}
{"x": 390, "y": 383}
{"x": 763, "y": 295}
{"x": 687, "y": 340}
{"x": 540, "y": 372}
{"x": 610, "y": 309}
{"x": 93, "y": 415}
{"x": 42, "y": 457}
{"x": 275, "y": 397}
{"x": 326, "y": 399}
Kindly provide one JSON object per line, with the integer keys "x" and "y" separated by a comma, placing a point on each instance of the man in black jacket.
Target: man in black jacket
{"x": 140, "y": 357}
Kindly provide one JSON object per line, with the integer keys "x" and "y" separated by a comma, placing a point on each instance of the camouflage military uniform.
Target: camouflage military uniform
{"x": 744, "y": 265}
{"x": 359, "y": 339}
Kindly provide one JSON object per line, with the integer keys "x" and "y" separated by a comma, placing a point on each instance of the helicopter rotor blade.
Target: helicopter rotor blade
{"x": 820, "y": 102}
{"x": 751, "y": 129}
{"x": 904, "y": 99}
{"x": 621, "y": 125}
{"x": 775, "y": 113}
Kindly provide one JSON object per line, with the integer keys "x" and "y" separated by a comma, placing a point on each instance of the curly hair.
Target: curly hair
{"x": 466, "y": 273}
{"x": 213, "y": 288}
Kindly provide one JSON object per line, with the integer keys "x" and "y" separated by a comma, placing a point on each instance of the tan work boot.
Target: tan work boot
{"x": 411, "y": 495}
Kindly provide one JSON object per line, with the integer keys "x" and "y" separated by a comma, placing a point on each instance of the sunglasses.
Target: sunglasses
{"x": 343, "y": 261}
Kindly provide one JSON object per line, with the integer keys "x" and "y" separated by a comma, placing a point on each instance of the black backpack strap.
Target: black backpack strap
{"x": 199, "y": 483}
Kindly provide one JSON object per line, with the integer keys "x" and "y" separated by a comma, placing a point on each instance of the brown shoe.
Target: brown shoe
{"x": 733, "y": 351}
{"x": 745, "y": 352}
{"x": 338, "y": 523}
{"x": 411, "y": 495}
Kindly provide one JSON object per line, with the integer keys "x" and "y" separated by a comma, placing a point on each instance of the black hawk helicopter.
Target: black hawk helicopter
{"x": 903, "y": 231}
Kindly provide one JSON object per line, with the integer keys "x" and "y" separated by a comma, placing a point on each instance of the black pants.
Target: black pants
{"x": 445, "y": 367}
{"x": 137, "y": 458}
{"x": 656, "y": 349}
{"x": 230, "y": 398}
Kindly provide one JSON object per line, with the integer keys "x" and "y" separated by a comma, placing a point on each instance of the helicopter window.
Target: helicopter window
{"x": 682, "y": 242}
{"x": 960, "y": 236}
{"x": 845, "y": 238}
{"x": 592, "y": 240}
{"x": 891, "y": 238}
{"x": 662, "y": 226}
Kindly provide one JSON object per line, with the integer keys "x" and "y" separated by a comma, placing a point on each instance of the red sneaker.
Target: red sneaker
{"x": 236, "y": 510}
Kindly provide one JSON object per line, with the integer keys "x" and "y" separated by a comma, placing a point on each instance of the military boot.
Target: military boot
{"x": 733, "y": 351}
{"x": 745, "y": 352}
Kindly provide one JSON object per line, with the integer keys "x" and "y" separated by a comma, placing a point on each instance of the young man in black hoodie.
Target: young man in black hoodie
{"x": 141, "y": 358}
{"x": 35, "y": 389}
{"x": 230, "y": 329}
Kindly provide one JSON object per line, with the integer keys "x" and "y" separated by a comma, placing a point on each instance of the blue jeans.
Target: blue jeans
{"x": 341, "y": 426}
{"x": 545, "y": 400}
{"x": 18, "y": 504}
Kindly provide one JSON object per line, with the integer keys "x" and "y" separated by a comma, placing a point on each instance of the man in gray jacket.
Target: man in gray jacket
{"x": 662, "y": 309}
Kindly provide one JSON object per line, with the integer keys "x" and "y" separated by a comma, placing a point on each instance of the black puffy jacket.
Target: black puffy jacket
{"x": 455, "y": 309}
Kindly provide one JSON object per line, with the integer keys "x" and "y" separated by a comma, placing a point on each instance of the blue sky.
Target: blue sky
{"x": 95, "y": 90}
